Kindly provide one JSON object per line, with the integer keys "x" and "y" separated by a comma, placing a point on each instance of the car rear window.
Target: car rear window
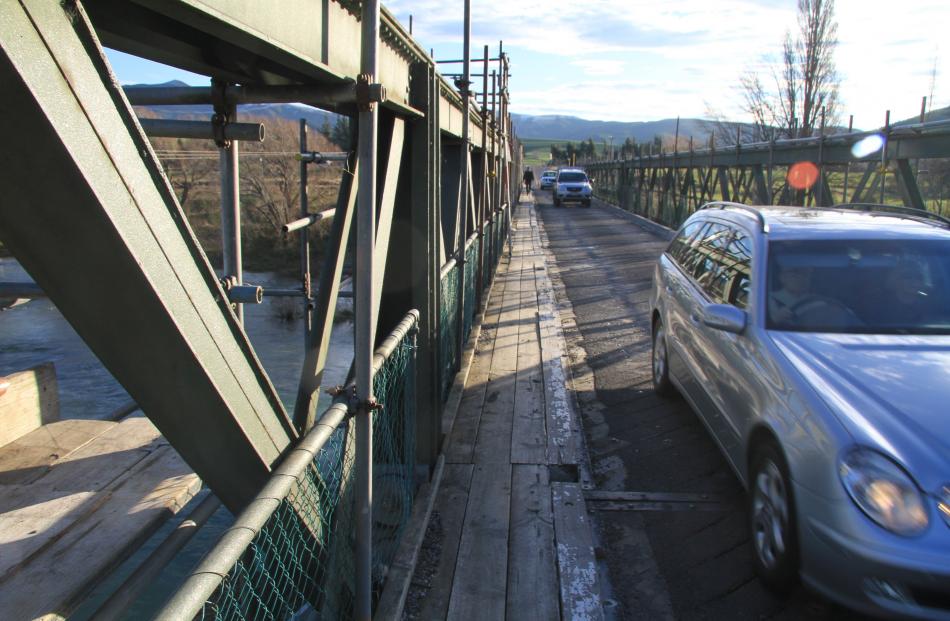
{"x": 571, "y": 177}
{"x": 859, "y": 286}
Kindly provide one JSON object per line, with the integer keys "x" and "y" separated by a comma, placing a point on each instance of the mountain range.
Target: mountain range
{"x": 547, "y": 127}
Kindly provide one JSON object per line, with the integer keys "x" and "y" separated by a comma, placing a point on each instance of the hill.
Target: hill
{"x": 557, "y": 127}
{"x": 315, "y": 117}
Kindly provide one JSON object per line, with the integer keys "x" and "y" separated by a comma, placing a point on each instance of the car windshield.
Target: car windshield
{"x": 859, "y": 286}
{"x": 572, "y": 177}
{"x": 549, "y": 174}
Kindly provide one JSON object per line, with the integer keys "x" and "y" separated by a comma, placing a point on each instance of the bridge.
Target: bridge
{"x": 449, "y": 477}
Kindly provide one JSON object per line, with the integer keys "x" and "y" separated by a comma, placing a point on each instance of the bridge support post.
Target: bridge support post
{"x": 425, "y": 258}
{"x": 365, "y": 324}
{"x": 150, "y": 307}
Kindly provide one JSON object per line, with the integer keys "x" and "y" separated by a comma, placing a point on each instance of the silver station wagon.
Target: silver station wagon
{"x": 814, "y": 344}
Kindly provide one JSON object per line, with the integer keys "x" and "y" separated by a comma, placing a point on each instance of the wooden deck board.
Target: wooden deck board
{"x": 502, "y": 523}
{"x": 478, "y": 591}
{"x": 532, "y": 569}
{"x": 464, "y": 432}
{"x": 575, "y": 554}
{"x": 450, "y": 504}
{"x": 87, "y": 511}
{"x": 529, "y": 434}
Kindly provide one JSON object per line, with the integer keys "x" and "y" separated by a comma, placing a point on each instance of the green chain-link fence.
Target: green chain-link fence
{"x": 290, "y": 553}
{"x": 448, "y": 328}
{"x": 471, "y": 264}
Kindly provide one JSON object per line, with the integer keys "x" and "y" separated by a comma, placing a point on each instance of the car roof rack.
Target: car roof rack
{"x": 747, "y": 208}
{"x": 910, "y": 213}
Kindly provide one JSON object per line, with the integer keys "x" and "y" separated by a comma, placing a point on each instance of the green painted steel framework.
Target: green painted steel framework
{"x": 90, "y": 213}
{"x": 668, "y": 187}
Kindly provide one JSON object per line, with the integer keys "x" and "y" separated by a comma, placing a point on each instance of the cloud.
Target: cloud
{"x": 690, "y": 51}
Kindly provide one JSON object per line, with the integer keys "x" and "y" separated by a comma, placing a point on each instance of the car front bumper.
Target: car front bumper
{"x": 907, "y": 577}
{"x": 573, "y": 197}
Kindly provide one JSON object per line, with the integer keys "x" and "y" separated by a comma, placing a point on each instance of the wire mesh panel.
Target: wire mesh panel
{"x": 290, "y": 555}
{"x": 302, "y": 556}
{"x": 471, "y": 260}
{"x": 486, "y": 258}
{"x": 394, "y": 449}
{"x": 448, "y": 329}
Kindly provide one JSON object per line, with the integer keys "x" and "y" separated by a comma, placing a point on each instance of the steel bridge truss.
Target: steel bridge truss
{"x": 668, "y": 187}
{"x": 90, "y": 214}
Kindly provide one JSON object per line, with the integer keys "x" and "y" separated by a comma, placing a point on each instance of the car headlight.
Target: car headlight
{"x": 944, "y": 504}
{"x": 883, "y": 491}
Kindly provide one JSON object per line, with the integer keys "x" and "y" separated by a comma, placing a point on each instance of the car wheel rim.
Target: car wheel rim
{"x": 769, "y": 514}
{"x": 659, "y": 354}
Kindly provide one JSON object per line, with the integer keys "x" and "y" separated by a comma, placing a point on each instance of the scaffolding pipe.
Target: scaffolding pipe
{"x": 201, "y": 130}
{"x": 365, "y": 314}
{"x": 308, "y": 219}
{"x": 316, "y": 157}
{"x": 118, "y": 603}
{"x": 231, "y": 213}
{"x": 464, "y": 84}
{"x": 251, "y": 94}
{"x": 305, "y": 216}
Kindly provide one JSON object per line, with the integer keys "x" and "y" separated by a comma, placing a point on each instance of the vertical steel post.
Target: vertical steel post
{"x": 231, "y": 212}
{"x": 483, "y": 197}
{"x": 496, "y": 160}
{"x": 844, "y": 195}
{"x": 676, "y": 150}
{"x": 887, "y": 136}
{"x": 464, "y": 194}
{"x": 305, "y": 239}
{"x": 365, "y": 314}
{"x": 820, "y": 183}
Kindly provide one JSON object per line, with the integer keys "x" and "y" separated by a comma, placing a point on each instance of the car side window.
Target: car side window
{"x": 731, "y": 285}
{"x": 680, "y": 244}
{"x": 710, "y": 251}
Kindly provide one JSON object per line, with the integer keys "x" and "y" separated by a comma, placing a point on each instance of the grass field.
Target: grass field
{"x": 537, "y": 151}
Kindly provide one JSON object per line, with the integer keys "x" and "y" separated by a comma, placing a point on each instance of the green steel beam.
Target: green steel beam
{"x": 304, "y": 42}
{"x": 424, "y": 257}
{"x": 89, "y": 213}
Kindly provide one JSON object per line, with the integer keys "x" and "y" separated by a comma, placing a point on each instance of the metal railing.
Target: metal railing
{"x": 290, "y": 551}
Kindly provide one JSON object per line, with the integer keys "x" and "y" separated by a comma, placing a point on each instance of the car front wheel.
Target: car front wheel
{"x": 772, "y": 520}
{"x": 661, "y": 368}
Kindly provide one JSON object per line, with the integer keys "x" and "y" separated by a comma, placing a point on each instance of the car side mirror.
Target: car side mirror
{"x": 725, "y": 317}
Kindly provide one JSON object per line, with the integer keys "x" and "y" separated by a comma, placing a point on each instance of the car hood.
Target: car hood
{"x": 890, "y": 392}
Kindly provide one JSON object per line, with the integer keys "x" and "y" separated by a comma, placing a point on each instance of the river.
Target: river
{"x": 35, "y": 332}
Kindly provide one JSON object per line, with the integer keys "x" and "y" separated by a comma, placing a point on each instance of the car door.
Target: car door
{"x": 705, "y": 355}
{"x": 727, "y": 357}
{"x": 686, "y": 302}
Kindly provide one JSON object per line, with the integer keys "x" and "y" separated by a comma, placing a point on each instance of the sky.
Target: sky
{"x": 646, "y": 60}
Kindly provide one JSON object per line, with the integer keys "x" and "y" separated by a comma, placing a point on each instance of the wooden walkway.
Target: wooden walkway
{"x": 510, "y": 536}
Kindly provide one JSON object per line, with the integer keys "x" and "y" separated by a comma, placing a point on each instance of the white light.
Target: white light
{"x": 867, "y": 146}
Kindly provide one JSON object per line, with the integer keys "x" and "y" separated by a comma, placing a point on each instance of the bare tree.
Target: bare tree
{"x": 804, "y": 85}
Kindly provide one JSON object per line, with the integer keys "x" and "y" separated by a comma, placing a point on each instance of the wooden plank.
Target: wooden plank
{"x": 580, "y": 591}
{"x": 564, "y": 431}
{"x": 450, "y": 503}
{"x": 55, "y": 580}
{"x": 30, "y": 456}
{"x": 464, "y": 433}
{"x": 35, "y": 516}
{"x": 494, "y": 431}
{"x": 29, "y": 401}
{"x": 529, "y": 433}
{"x": 532, "y": 569}
{"x": 480, "y": 581}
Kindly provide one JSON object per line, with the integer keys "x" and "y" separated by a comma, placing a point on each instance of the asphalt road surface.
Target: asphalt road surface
{"x": 672, "y": 514}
